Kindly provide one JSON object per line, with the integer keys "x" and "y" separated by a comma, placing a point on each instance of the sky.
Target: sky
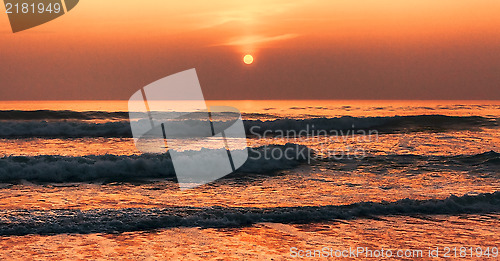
{"x": 302, "y": 49}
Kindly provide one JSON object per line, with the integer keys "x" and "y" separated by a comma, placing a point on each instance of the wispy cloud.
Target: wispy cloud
{"x": 256, "y": 39}
{"x": 250, "y": 13}
{"x": 249, "y": 24}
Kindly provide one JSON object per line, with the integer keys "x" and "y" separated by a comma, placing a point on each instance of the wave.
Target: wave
{"x": 135, "y": 167}
{"x": 24, "y": 222}
{"x": 314, "y": 126}
{"x": 63, "y": 129}
{"x": 393, "y": 124}
{"x": 61, "y": 169}
{"x": 483, "y": 163}
{"x": 60, "y": 115}
{"x": 49, "y": 115}
{"x": 486, "y": 158}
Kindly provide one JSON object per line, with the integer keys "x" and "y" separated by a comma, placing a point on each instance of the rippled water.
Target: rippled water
{"x": 72, "y": 183}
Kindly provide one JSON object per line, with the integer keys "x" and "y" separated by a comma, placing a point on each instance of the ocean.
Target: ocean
{"x": 325, "y": 179}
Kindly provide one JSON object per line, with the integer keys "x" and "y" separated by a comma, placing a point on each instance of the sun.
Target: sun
{"x": 248, "y": 59}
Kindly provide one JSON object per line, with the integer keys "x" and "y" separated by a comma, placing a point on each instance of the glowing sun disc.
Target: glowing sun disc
{"x": 248, "y": 59}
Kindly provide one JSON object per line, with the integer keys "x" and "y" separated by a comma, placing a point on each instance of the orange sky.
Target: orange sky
{"x": 337, "y": 49}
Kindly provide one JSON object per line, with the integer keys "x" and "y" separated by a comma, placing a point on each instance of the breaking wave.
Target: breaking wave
{"x": 483, "y": 163}
{"x": 381, "y": 124}
{"x": 60, "y": 115}
{"x": 123, "y": 168}
{"x": 60, "y": 169}
{"x": 24, "y": 222}
{"x": 77, "y": 129}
